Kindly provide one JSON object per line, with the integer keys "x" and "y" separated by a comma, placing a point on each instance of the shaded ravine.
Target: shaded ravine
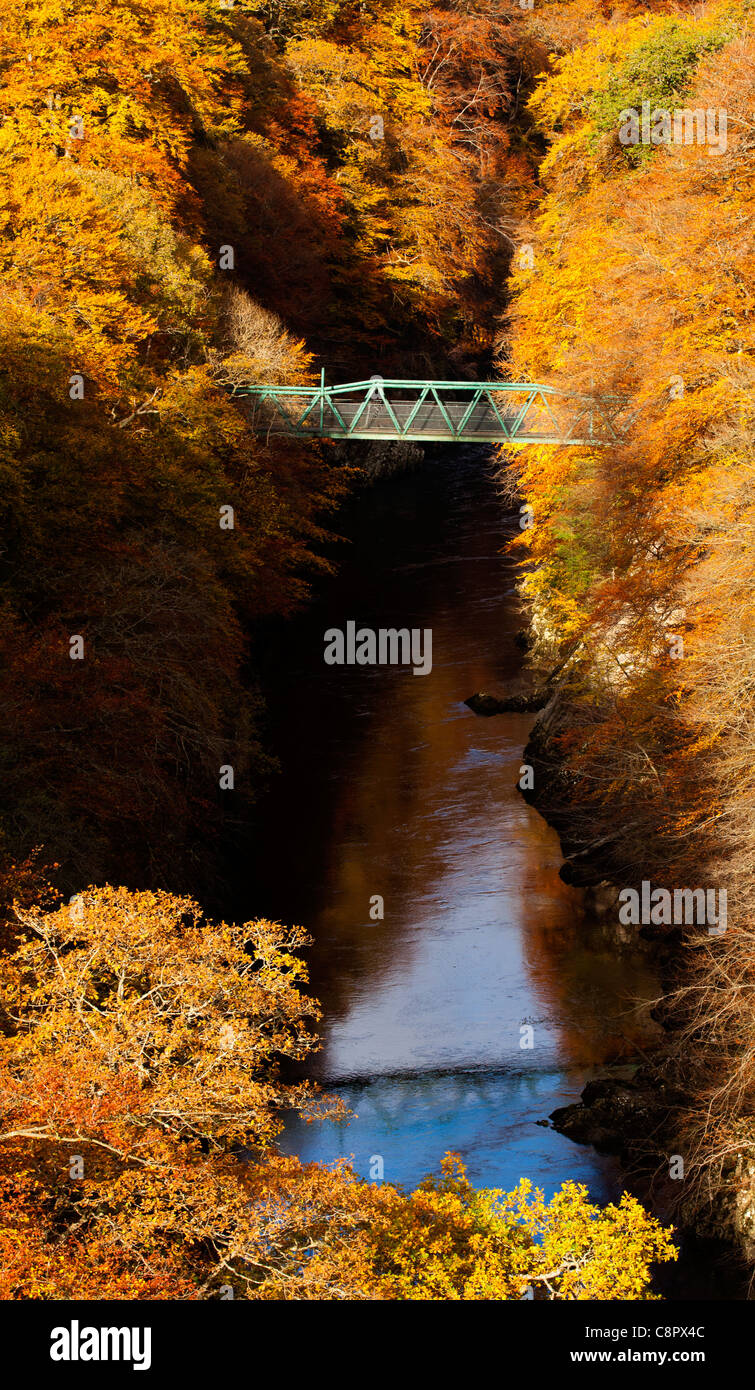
{"x": 391, "y": 786}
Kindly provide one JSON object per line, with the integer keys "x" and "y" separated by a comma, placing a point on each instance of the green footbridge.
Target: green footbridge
{"x": 474, "y": 412}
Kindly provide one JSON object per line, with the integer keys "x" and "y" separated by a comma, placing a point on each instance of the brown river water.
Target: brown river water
{"x": 391, "y": 786}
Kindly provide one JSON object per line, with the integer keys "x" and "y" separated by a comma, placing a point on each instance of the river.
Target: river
{"x": 391, "y": 786}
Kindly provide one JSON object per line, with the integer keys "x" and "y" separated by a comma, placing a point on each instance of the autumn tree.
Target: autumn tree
{"x": 637, "y": 564}
{"x": 140, "y": 1096}
{"x": 135, "y": 145}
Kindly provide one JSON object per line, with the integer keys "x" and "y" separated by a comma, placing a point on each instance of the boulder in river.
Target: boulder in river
{"x": 617, "y": 1115}
{"x": 518, "y": 698}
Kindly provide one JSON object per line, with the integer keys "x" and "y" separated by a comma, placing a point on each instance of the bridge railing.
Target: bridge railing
{"x": 473, "y": 411}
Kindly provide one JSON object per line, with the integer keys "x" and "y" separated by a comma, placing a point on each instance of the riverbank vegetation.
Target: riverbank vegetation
{"x": 197, "y": 196}
{"x": 140, "y": 1103}
{"x": 640, "y": 558}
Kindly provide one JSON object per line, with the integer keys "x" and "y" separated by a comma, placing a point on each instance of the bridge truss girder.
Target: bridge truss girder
{"x": 439, "y": 411}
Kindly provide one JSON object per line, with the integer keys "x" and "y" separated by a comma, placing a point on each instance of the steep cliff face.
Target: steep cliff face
{"x": 644, "y": 1117}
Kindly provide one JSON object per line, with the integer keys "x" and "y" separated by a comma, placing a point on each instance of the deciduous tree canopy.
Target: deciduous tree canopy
{"x": 139, "y": 1099}
{"x": 640, "y": 555}
{"x": 195, "y": 197}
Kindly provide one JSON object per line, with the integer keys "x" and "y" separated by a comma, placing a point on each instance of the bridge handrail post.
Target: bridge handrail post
{"x": 322, "y": 399}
